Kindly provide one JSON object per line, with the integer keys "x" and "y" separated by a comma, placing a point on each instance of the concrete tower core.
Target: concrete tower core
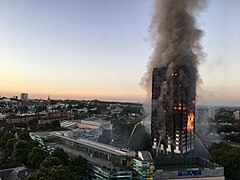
{"x": 173, "y": 110}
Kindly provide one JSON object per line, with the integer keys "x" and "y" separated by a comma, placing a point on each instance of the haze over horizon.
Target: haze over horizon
{"x": 99, "y": 50}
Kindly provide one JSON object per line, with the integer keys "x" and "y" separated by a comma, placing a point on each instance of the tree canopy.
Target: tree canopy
{"x": 78, "y": 165}
{"x": 9, "y": 147}
{"x": 60, "y": 154}
{"x": 36, "y": 157}
{"x": 24, "y": 151}
{"x": 20, "y": 152}
{"x": 50, "y": 161}
{"x": 55, "y": 172}
{"x": 5, "y": 137}
{"x": 228, "y": 157}
{"x": 24, "y": 136}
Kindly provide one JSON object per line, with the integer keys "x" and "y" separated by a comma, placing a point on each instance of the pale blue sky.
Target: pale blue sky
{"x": 99, "y": 49}
{"x": 220, "y": 72}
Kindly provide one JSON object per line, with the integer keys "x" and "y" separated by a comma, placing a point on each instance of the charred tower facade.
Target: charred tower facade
{"x": 173, "y": 110}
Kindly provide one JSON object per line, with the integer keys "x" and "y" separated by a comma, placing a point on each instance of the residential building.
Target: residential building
{"x": 173, "y": 111}
{"x": 20, "y": 119}
{"x": 24, "y": 97}
{"x": 54, "y": 116}
{"x": 143, "y": 166}
{"x": 211, "y": 114}
{"x": 236, "y": 115}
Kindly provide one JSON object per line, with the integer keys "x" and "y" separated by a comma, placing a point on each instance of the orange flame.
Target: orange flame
{"x": 190, "y": 124}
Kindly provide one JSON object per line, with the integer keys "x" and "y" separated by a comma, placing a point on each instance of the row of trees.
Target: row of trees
{"x": 229, "y": 128}
{"x": 53, "y": 126}
{"x": 16, "y": 149}
{"x": 34, "y": 126}
{"x": 24, "y": 151}
{"x": 233, "y": 137}
{"x": 57, "y": 166}
{"x": 131, "y": 109}
{"x": 228, "y": 157}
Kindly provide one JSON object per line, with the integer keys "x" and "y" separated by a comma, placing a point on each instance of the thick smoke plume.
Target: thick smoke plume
{"x": 176, "y": 38}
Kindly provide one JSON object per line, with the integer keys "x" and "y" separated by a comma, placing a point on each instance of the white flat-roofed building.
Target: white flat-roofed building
{"x": 236, "y": 115}
{"x": 88, "y": 124}
{"x": 95, "y": 145}
{"x": 211, "y": 113}
{"x": 68, "y": 124}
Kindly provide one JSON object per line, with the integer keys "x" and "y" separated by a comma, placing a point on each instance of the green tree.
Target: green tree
{"x": 33, "y": 144}
{"x": 8, "y": 149}
{"x": 53, "y": 102}
{"x": 1, "y": 134}
{"x": 20, "y": 152}
{"x": 233, "y": 137}
{"x": 50, "y": 162}
{"x": 55, "y": 124}
{"x": 55, "y": 172}
{"x": 60, "y": 154}
{"x": 23, "y": 109}
{"x": 24, "y": 136}
{"x": 5, "y": 137}
{"x": 36, "y": 157}
{"x": 41, "y": 108}
{"x": 78, "y": 165}
{"x": 229, "y": 158}
{"x": 62, "y": 173}
{"x": 130, "y": 109}
{"x": 39, "y": 174}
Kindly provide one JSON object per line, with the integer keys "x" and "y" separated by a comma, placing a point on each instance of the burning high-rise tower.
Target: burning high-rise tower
{"x": 173, "y": 110}
{"x": 172, "y": 74}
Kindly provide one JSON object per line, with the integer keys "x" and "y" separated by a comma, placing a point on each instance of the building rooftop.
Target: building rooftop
{"x": 41, "y": 134}
{"x": 96, "y": 161}
{"x": 175, "y": 162}
{"x": 97, "y": 145}
{"x": 15, "y": 173}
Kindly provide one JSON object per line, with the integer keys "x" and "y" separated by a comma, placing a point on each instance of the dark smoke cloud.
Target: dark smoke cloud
{"x": 176, "y": 38}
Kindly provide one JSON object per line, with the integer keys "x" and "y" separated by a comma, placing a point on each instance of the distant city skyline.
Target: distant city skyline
{"x": 94, "y": 49}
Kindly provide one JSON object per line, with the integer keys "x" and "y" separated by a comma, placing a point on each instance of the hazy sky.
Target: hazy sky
{"x": 99, "y": 49}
